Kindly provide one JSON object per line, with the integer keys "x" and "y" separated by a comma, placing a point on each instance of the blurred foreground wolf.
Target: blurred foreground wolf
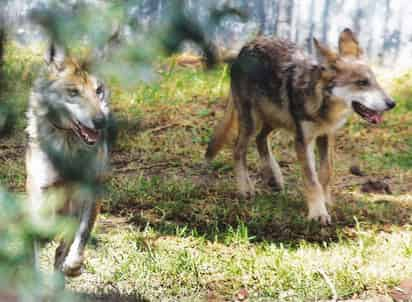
{"x": 67, "y": 152}
{"x": 275, "y": 85}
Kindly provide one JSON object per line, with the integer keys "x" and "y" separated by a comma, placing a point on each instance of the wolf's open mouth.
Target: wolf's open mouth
{"x": 88, "y": 135}
{"x": 370, "y": 115}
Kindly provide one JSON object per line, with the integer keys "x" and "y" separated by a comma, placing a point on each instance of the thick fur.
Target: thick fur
{"x": 64, "y": 172}
{"x": 275, "y": 85}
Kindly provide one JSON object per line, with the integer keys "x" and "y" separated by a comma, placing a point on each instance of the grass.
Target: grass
{"x": 173, "y": 229}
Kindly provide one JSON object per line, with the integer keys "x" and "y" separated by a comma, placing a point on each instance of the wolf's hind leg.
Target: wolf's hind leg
{"x": 325, "y": 146}
{"x": 271, "y": 171}
{"x": 313, "y": 189}
{"x": 247, "y": 128}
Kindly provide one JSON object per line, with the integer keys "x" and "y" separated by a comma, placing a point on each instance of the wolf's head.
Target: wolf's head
{"x": 72, "y": 99}
{"x": 351, "y": 81}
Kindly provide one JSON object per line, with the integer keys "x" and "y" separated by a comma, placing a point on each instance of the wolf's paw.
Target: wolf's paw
{"x": 72, "y": 266}
{"x": 247, "y": 194}
{"x": 246, "y": 188}
{"x": 274, "y": 184}
{"x": 320, "y": 214}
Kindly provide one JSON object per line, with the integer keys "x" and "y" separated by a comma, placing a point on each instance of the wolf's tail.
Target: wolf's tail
{"x": 225, "y": 130}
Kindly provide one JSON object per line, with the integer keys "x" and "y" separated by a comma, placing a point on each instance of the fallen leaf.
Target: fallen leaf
{"x": 376, "y": 186}
{"x": 355, "y": 170}
{"x": 242, "y": 295}
{"x": 403, "y": 292}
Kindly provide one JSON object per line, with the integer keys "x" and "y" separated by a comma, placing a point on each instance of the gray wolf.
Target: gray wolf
{"x": 67, "y": 153}
{"x": 275, "y": 85}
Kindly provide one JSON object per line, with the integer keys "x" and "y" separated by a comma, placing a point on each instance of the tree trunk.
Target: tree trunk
{"x": 386, "y": 34}
{"x": 277, "y": 17}
{"x": 371, "y": 34}
{"x": 261, "y": 15}
{"x": 357, "y": 18}
{"x": 289, "y": 18}
{"x": 311, "y": 26}
{"x": 398, "y": 42}
{"x": 298, "y": 24}
{"x": 285, "y": 18}
{"x": 325, "y": 19}
{"x": 339, "y": 5}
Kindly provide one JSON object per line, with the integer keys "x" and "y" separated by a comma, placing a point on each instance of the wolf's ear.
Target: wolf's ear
{"x": 349, "y": 44}
{"x": 55, "y": 55}
{"x": 325, "y": 55}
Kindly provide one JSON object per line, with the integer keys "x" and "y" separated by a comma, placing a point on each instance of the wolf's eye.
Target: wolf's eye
{"x": 73, "y": 92}
{"x": 362, "y": 83}
{"x": 99, "y": 90}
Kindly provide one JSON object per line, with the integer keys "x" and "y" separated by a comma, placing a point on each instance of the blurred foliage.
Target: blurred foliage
{"x": 3, "y": 110}
{"x": 20, "y": 280}
{"x": 101, "y": 27}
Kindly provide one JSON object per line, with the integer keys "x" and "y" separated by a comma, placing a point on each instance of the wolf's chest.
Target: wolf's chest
{"x": 58, "y": 163}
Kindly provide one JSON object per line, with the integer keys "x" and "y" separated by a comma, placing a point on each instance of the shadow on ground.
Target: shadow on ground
{"x": 112, "y": 298}
{"x": 214, "y": 210}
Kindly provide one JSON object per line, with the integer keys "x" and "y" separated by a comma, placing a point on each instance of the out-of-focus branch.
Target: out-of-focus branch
{"x": 183, "y": 28}
{"x": 2, "y": 48}
{"x": 3, "y": 109}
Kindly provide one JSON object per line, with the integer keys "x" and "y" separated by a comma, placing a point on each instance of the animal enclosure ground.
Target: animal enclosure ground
{"x": 173, "y": 228}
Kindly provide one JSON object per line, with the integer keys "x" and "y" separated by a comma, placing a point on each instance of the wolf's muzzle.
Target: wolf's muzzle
{"x": 99, "y": 122}
{"x": 390, "y": 103}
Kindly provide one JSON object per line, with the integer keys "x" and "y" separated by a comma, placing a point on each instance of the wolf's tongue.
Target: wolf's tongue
{"x": 91, "y": 134}
{"x": 376, "y": 118}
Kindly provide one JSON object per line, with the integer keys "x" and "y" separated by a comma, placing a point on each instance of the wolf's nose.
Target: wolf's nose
{"x": 390, "y": 103}
{"x": 99, "y": 121}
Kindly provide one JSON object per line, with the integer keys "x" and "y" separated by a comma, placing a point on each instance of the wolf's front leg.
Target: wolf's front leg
{"x": 71, "y": 255}
{"x": 325, "y": 146}
{"x": 313, "y": 190}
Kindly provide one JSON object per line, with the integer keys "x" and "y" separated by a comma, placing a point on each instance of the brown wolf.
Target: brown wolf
{"x": 275, "y": 85}
{"x": 67, "y": 152}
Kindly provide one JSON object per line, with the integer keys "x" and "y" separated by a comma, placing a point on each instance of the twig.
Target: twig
{"x": 126, "y": 161}
{"x": 344, "y": 185}
{"x": 145, "y": 167}
{"x": 161, "y": 128}
{"x": 126, "y": 170}
{"x": 330, "y": 284}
